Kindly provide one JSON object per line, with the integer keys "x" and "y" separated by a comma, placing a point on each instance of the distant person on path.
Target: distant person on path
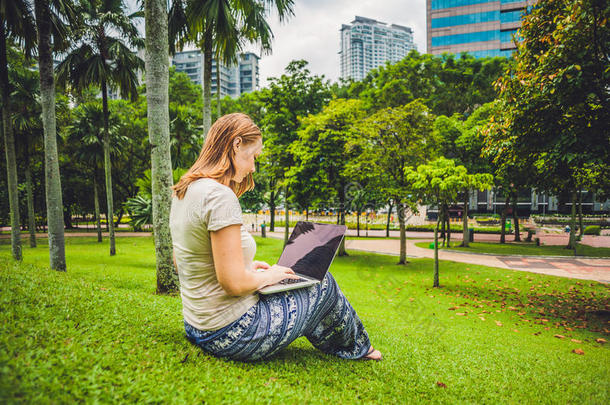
{"x": 213, "y": 251}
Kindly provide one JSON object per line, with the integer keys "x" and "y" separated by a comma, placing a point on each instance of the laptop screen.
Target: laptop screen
{"x": 311, "y": 248}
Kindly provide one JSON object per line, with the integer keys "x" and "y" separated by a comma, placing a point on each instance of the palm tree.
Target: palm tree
{"x": 53, "y": 35}
{"x": 157, "y": 84}
{"x": 85, "y": 135}
{"x": 102, "y": 57}
{"x": 17, "y": 23}
{"x": 27, "y": 125}
{"x": 222, "y": 27}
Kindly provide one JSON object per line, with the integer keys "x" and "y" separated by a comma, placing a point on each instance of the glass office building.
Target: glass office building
{"x": 367, "y": 44}
{"x": 234, "y": 80}
{"x": 479, "y": 27}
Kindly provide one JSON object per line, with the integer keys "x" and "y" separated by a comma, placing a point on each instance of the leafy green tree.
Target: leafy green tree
{"x": 438, "y": 183}
{"x": 16, "y": 21}
{"x": 447, "y": 84}
{"x": 321, "y": 153}
{"x": 101, "y": 56}
{"x": 391, "y": 140}
{"x": 295, "y": 94}
{"x": 555, "y": 100}
{"x": 462, "y": 141}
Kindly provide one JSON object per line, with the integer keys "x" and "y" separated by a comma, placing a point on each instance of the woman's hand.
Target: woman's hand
{"x": 277, "y": 273}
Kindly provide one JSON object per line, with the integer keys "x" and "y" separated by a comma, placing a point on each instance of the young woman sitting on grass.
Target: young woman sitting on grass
{"x": 213, "y": 251}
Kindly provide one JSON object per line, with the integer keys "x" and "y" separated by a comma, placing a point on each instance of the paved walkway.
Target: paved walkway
{"x": 579, "y": 268}
{"x": 596, "y": 269}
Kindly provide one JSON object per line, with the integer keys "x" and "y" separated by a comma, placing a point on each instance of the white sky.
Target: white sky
{"x": 313, "y": 32}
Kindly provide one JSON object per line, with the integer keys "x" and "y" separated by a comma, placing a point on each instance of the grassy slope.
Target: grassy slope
{"x": 99, "y": 333}
{"x": 524, "y": 248}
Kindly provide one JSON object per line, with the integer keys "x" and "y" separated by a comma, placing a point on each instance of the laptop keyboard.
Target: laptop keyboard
{"x": 292, "y": 281}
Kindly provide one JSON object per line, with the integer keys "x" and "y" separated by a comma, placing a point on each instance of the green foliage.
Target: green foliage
{"x": 447, "y": 84}
{"x": 593, "y": 230}
{"x": 140, "y": 211}
{"x": 321, "y": 154}
{"x": 391, "y": 140}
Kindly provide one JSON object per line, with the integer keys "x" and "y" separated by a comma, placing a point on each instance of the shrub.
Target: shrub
{"x": 593, "y": 230}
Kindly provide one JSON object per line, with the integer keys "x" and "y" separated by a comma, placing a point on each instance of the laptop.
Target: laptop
{"x": 309, "y": 252}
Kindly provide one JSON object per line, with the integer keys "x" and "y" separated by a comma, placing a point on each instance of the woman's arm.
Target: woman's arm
{"x": 231, "y": 272}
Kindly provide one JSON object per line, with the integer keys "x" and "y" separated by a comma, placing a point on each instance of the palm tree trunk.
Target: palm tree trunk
{"x": 96, "y": 203}
{"x": 465, "y": 235}
{"x": 108, "y": 170}
{"x": 30, "y": 198}
{"x": 207, "y": 82}
{"x": 9, "y": 147}
{"x": 55, "y": 207}
{"x": 403, "y": 232}
{"x": 157, "y": 82}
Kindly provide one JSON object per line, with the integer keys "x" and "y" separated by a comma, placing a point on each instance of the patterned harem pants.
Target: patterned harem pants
{"x": 321, "y": 313}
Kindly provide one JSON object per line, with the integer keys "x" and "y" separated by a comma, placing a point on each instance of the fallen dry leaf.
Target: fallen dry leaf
{"x": 460, "y": 313}
{"x": 559, "y": 336}
{"x": 440, "y": 384}
{"x": 481, "y": 318}
{"x": 576, "y": 340}
{"x": 515, "y": 330}
{"x": 578, "y": 351}
{"x": 498, "y": 323}
{"x": 452, "y": 308}
{"x": 601, "y": 340}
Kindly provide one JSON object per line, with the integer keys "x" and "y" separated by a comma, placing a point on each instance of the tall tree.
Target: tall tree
{"x": 102, "y": 56}
{"x": 85, "y": 143}
{"x": 391, "y": 140}
{"x": 292, "y": 96}
{"x": 52, "y": 35}
{"x": 16, "y": 22}
{"x": 439, "y": 183}
{"x": 26, "y": 123}
{"x": 321, "y": 153}
{"x": 157, "y": 82}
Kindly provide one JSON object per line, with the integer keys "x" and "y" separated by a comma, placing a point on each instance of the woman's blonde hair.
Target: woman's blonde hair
{"x": 217, "y": 157}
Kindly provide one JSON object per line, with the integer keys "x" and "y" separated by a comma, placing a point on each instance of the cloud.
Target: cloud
{"x": 313, "y": 32}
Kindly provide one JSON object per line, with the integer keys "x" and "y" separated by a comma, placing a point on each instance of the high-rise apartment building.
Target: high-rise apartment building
{"x": 367, "y": 44}
{"x": 234, "y": 80}
{"x": 479, "y": 27}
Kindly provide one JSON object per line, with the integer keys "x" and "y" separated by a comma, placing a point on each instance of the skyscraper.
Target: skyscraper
{"x": 479, "y": 27}
{"x": 234, "y": 80}
{"x": 367, "y": 44}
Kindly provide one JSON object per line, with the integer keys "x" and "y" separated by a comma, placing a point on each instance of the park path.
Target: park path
{"x": 597, "y": 269}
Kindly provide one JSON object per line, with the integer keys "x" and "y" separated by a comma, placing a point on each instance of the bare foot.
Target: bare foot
{"x": 373, "y": 354}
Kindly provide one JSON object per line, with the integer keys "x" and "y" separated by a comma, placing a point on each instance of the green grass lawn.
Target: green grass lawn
{"x": 524, "y": 248}
{"x": 98, "y": 333}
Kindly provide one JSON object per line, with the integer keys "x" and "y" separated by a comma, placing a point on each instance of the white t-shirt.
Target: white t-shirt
{"x": 207, "y": 206}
